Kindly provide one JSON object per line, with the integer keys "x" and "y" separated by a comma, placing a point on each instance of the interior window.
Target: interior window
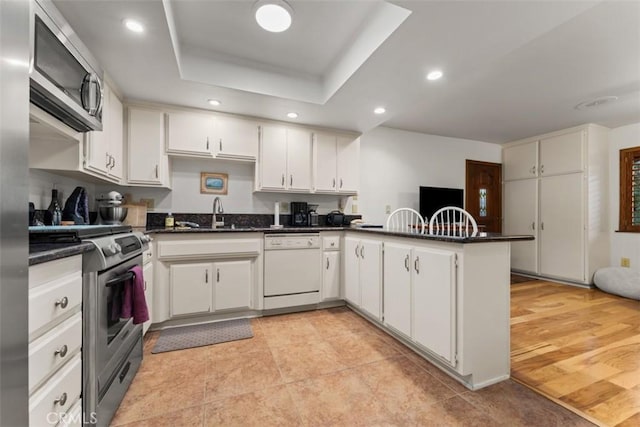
{"x": 630, "y": 189}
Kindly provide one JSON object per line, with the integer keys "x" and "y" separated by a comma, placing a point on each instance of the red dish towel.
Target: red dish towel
{"x": 134, "y": 303}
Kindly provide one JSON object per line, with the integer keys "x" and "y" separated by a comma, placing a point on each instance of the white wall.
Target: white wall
{"x": 622, "y": 244}
{"x": 41, "y": 183}
{"x": 395, "y": 163}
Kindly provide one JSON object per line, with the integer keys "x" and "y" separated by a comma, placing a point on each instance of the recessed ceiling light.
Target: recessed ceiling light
{"x": 598, "y": 102}
{"x": 292, "y": 115}
{"x": 273, "y": 15}
{"x": 214, "y": 102}
{"x": 380, "y": 110}
{"x": 434, "y": 75}
{"x": 133, "y": 25}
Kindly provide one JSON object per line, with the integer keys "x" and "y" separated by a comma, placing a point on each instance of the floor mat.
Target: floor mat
{"x": 200, "y": 335}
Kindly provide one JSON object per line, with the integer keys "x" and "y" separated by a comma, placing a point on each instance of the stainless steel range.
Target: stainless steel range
{"x": 111, "y": 346}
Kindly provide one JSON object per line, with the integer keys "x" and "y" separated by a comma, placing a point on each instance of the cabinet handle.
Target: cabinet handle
{"x": 533, "y": 225}
{"x": 282, "y": 181}
{"x": 290, "y": 180}
{"x": 218, "y": 275}
{"x": 220, "y": 144}
{"x": 340, "y": 182}
{"x": 108, "y": 160}
{"x": 327, "y": 263}
{"x": 206, "y": 276}
{"x": 533, "y": 170}
{"x": 542, "y": 226}
{"x": 416, "y": 265}
{"x": 63, "y": 302}
{"x": 62, "y": 351}
{"x": 362, "y": 251}
{"x": 406, "y": 262}
{"x": 113, "y": 162}
{"x": 207, "y": 143}
{"x": 145, "y": 285}
{"x": 61, "y": 400}
{"x": 156, "y": 171}
{"x": 357, "y": 247}
{"x": 541, "y": 169}
{"x": 334, "y": 183}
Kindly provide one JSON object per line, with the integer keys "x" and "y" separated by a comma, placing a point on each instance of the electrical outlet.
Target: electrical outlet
{"x": 387, "y": 209}
{"x": 284, "y": 207}
{"x": 625, "y": 262}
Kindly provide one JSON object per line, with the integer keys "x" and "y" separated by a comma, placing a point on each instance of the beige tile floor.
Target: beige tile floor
{"x": 320, "y": 368}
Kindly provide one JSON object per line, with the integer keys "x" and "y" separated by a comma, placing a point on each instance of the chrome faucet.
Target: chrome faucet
{"x": 217, "y": 209}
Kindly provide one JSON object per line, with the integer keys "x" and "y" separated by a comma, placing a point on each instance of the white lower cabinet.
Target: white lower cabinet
{"x": 232, "y": 286}
{"x": 331, "y": 275}
{"x": 363, "y": 274}
{"x": 419, "y": 296}
{"x": 190, "y": 288}
{"x": 147, "y": 273}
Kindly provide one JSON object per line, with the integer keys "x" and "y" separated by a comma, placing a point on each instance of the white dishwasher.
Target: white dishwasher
{"x": 292, "y": 270}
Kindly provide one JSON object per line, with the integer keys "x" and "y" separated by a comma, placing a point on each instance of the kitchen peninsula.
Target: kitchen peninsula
{"x": 446, "y": 298}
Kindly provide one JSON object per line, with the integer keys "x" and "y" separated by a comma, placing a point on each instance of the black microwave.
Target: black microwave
{"x": 65, "y": 79}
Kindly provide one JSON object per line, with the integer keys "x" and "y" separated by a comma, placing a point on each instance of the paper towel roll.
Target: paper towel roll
{"x": 276, "y": 214}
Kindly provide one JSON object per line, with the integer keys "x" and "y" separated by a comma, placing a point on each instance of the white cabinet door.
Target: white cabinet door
{"x": 147, "y": 272}
{"x": 190, "y": 133}
{"x": 562, "y": 228}
{"x": 116, "y": 135}
{"x": 145, "y": 142}
{"x": 434, "y": 301}
{"x": 371, "y": 277}
{"x": 232, "y": 284}
{"x": 520, "y": 161}
{"x": 331, "y": 275}
{"x": 298, "y": 159}
{"x": 562, "y": 154}
{"x": 397, "y": 287}
{"x": 190, "y": 288}
{"x": 352, "y": 270}
{"x": 521, "y": 217}
{"x": 236, "y": 138}
{"x": 273, "y": 157}
{"x": 325, "y": 163}
{"x": 348, "y": 164}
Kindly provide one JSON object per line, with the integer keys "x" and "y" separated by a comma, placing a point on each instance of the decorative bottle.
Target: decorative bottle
{"x": 53, "y": 214}
{"x": 169, "y": 221}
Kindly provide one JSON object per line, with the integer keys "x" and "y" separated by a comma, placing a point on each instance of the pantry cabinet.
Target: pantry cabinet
{"x": 190, "y": 134}
{"x": 285, "y": 159}
{"x": 363, "y": 275}
{"x": 148, "y": 164}
{"x": 336, "y": 160}
{"x": 556, "y": 188}
{"x": 236, "y": 139}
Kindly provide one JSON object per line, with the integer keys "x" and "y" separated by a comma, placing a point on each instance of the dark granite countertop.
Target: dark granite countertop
{"x": 481, "y": 238}
{"x": 45, "y": 252}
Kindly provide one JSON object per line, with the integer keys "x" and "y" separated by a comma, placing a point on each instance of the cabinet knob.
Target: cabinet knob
{"x": 62, "y": 351}
{"x": 62, "y": 302}
{"x": 61, "y": 400}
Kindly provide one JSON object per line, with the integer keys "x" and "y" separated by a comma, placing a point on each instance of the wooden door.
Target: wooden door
{"x": 483, "y": 191}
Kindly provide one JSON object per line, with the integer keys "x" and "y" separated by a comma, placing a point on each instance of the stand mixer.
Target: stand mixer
{"x": 110, "y": 211}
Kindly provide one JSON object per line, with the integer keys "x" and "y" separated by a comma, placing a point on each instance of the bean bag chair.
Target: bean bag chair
{"x": 618, "y": 281}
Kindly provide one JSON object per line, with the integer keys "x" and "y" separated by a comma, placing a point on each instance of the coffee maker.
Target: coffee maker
{"x": 299, "y": 214}
{"x": 313, "y": 215}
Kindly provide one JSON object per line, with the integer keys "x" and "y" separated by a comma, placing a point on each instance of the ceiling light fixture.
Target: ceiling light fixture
{"x": 380, "y": 110}
{"x": 434, "y": 75}
{"x": 292, "y": 115}
{"x": 273, "y": 15}
{"x": 133, "y": 25}
{"x": 214, "y": 102}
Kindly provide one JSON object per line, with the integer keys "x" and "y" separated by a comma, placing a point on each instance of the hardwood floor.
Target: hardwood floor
{"x": 580, "y": 347}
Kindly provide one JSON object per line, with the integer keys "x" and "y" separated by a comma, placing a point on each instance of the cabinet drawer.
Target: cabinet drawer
{"x": 53, "y": 300}
{"x": 73, "y": 418}
{"x": 53, "y": 349}
{"x": 331, "y": 243}
{"x": 57, "y": 396}
{"x": 50, "y": 271}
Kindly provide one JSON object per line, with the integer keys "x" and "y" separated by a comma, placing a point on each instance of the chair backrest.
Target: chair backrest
{"x": 406, "y": 220}
{"x": 453, "y": 221}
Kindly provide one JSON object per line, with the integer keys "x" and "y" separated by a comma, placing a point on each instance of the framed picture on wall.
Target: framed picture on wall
{"x": 213, "y": 183}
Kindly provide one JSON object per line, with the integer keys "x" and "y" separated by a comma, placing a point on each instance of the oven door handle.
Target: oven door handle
{"x": 119, "y": 279}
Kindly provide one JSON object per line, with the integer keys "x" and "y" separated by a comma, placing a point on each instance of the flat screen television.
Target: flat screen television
{"x": 434, "y": 198}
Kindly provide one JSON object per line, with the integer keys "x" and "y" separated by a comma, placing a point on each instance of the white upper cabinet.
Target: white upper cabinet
{"x": 562, "y": 154}
{"x": 325, "y": 163}
{"x": 236, "y": 139}
{"x": 520, "y": 161}
{"x": 148, "y": 164}
{"x": 190, "y": 134}
{"x": 285, "y": 159}
{"x": 103, "y": 149}
{"x": 348, "y": 164}
{"x": 336, "y": 163}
